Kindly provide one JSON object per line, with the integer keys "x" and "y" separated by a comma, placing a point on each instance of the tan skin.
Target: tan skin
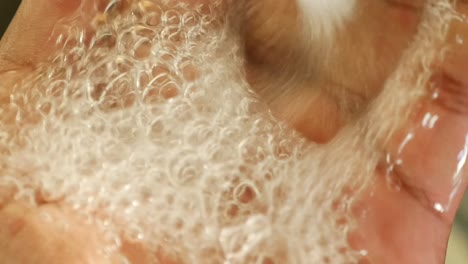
{"x": 418, "y": 235}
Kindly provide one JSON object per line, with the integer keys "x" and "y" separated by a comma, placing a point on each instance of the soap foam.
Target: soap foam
{"x": 145, "y": 122}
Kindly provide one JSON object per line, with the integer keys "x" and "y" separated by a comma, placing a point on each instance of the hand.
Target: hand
{"x": 410, "y": 225}
{"x": 419, "y": 233}
{"x": 49, "y": 233}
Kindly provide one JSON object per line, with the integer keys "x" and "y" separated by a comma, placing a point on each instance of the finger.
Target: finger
{"x": 28, "y": 38}
{"x": 408, "y": 212}
{"x": 432, "y": 149}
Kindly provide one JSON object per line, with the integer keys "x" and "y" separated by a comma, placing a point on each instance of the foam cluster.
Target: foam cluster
{"x": 145, "y": 122}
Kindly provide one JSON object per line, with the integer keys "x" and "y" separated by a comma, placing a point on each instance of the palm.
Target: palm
{"x": 395, "y": 226}
{"x": 406, "y": 216}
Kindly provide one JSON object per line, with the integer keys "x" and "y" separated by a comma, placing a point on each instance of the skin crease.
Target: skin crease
{"x": 418, "y": 235}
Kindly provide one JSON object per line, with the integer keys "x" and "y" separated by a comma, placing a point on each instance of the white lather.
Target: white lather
{"x": 325, "y": 16}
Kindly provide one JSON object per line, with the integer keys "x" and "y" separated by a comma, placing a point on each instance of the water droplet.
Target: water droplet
{"x": 430, "y": 120}
{"x": 393, "y": 183}
{"x": 409, "y": 137}
{"x": 439, "y": 208}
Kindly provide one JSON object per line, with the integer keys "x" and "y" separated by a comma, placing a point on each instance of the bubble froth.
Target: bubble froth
{"x": 147, "y": 124}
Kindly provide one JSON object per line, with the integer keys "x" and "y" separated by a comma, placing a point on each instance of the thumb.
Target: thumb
{"x": 28, "y": 38}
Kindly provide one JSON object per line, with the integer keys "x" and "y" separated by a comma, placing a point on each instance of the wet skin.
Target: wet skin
{"x": 418, "y": 235}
